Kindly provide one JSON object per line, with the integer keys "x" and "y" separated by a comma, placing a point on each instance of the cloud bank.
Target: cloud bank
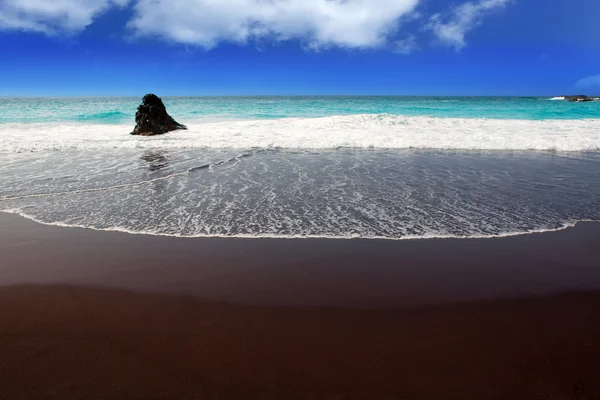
{"x": 451, "y": 30}
{"x": 52, "y": 16}
{"x": 319, "y": 24}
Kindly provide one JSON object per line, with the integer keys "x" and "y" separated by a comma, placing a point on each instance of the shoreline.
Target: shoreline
{"x": 359, "y": 273}
{"x": 565, "y": 226}
{"x": 93, "y": 314}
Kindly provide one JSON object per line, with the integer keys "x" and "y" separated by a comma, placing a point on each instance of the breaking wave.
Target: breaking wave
{"x": 382, "y": 131}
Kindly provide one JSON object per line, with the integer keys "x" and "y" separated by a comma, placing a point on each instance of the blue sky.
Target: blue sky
{"x": 283, "y": 47}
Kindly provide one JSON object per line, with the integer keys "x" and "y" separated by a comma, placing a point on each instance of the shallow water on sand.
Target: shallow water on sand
{"x": 391, "y": 194}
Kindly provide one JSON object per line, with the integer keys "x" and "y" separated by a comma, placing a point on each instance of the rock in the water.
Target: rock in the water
{"x": 578, "y": 98}
{"x": 152, "y": 118}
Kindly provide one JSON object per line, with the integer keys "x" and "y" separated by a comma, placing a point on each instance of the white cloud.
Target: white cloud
{"x": 52, "y": 16}
{"x": 589, "y": 82}
{"x": 207, "y": 23}
{"x": 462, "y": 20}
{"x": 320, "y": 23}
{"x": 406, "y": 45}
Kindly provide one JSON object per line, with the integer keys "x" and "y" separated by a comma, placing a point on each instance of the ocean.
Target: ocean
{"x": 305, "y": 167}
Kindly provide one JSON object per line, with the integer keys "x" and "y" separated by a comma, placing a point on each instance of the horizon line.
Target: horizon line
{"x": 284, "y": 95}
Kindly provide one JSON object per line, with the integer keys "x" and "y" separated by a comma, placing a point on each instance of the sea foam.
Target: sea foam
{"x": 433, "y": 235}
{"x": 382, "y": 131}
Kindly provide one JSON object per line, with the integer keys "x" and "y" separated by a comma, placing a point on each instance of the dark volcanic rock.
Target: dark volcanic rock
{"x": 152, "y": 118}
{"x": 577, "y": 98}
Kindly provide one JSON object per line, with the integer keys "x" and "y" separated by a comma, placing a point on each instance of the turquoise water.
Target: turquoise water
{"x": 302, "y": 167}
{"x": 122, "y": 110}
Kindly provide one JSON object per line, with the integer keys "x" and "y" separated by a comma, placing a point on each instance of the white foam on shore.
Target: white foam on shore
{"x": 381, "y": 131}
{"x": 565, "y": 226}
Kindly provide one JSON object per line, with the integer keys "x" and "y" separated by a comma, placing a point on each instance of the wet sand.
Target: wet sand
{"x": 86, "y": 314}
{"x": 312, "y": 272}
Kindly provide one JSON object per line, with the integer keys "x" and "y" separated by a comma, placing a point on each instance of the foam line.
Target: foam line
{"x": 566, "y": 225}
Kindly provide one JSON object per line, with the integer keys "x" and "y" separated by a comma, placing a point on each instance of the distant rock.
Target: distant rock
{"x": 580, "y": 98}
{"x": 152, "y": 118}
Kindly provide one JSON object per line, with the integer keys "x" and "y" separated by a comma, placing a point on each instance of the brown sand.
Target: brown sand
{"x": 345, "y": 273}
{"x": 100, "y": 315}
{"x": 75, "y": 343}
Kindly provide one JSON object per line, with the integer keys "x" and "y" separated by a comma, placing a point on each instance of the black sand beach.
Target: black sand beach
{"x": 88, "y": 314}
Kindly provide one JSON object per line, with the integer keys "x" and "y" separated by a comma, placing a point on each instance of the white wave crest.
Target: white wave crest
{"x": 352, "y": 131}
{"x": 557, "y": 98}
